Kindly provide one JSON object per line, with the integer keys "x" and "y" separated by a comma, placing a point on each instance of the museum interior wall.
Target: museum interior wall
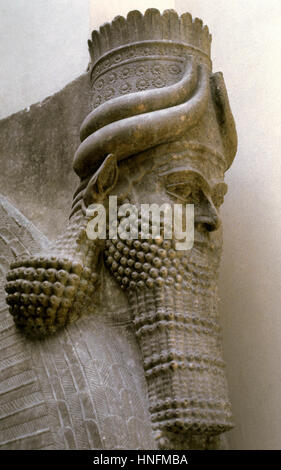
{"x": 42, "y": 49}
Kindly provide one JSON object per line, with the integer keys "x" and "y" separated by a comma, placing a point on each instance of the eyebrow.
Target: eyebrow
{"x": 180, "y": 177}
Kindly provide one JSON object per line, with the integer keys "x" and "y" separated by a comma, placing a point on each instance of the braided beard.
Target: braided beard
{"x": 173, "y": 298}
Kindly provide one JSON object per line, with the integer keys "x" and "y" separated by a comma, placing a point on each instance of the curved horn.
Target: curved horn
{"x": 140, "y": 103}
{"x": 132, "y": 135}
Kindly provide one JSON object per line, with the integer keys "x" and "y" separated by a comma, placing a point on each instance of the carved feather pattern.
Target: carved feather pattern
{"x": 73, "y": 390}
{"x": 23, "y": 410}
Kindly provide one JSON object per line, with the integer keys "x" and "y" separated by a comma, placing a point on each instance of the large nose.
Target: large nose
{"x": 206, "y": 215}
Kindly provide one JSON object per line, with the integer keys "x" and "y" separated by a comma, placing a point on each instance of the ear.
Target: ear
{"x": 102, "y": 182}
{"x": 224, "y": 116}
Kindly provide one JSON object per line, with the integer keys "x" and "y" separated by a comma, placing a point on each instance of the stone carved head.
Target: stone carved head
{"x": 161, "y": 131}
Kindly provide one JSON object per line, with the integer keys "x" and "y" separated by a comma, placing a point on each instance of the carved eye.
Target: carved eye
{"x": 185, "y": 192}
{"x": 195, "y": 196}
{"x": 186, "y": 185}
{"x": 181, "y": 192}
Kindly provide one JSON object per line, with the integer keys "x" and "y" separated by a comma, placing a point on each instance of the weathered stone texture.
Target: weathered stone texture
{"x": 36, "y": 151}
{"x": 140, "y": 306}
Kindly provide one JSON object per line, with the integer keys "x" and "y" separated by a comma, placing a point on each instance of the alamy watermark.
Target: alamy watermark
{"x": 154, "y": 221}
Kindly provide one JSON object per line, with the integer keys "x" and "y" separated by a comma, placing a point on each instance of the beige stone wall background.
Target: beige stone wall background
{"x": 43, "y": 47}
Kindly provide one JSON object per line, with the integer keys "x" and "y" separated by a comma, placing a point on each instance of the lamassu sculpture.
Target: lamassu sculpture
{"x": 124, "y": 334}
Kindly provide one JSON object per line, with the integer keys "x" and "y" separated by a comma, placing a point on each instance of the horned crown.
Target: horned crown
{"x": 150, "y": 26}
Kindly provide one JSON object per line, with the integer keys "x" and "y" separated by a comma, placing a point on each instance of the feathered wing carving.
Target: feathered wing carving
{"x": 24, "y": 422}
{"x": 82, "y": 388}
